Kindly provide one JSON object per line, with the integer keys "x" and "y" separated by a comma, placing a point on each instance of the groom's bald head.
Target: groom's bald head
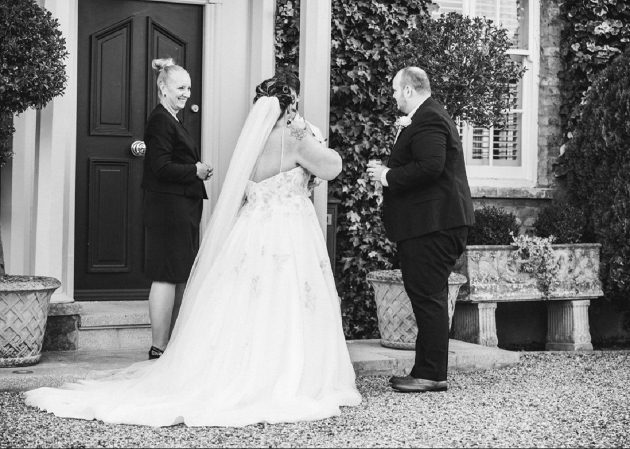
{"x": 416, "y": 78}
{"x": 411, "y": 87}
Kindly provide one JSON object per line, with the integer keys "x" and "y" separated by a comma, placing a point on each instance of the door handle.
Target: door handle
{"x": 138, "y": 148}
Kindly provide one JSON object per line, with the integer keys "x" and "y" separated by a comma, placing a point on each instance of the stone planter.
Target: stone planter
{"x": 494, "y": 276}
{"x": 24, "y": 304}
{"x": 396, "y": 321}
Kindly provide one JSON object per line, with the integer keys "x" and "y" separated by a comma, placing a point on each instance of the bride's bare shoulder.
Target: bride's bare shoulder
{"x": 312, "y": 155}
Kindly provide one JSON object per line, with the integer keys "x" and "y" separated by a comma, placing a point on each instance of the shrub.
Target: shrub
{"x": 493, "y": 226}
{"x": 564, "y": 221}
{"x": 31, "y": 63}
{"x": 598, "y": 162}
{"x": 466, "y": 61}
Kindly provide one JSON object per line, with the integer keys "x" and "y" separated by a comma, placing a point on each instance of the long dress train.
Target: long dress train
{"x": 263, "y": 342}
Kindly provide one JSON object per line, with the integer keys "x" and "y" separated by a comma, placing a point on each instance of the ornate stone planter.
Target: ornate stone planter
{"x": 396, "y": 321}
{"x": 494, "y": 276}
{"x": 24, "y": 304}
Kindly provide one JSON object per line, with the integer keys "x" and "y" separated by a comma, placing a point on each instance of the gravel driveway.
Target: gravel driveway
{"x": 554, "y": 399}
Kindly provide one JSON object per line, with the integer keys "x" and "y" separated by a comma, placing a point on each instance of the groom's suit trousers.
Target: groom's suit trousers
{"x": 426, "y": 263}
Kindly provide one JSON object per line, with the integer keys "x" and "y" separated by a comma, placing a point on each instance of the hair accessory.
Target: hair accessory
{"x": 274, "y": 87}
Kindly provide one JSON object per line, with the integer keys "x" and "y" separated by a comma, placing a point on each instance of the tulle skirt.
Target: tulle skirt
{"x": 262, "y": 342}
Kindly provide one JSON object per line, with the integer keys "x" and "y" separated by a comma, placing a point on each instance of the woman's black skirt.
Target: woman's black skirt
{"x": 171, "y": 225}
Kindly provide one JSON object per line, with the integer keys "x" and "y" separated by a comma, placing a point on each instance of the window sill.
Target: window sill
{"x": 537, "y": 193}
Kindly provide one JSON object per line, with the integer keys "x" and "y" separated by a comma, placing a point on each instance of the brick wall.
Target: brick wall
{"x": 549, "y": 132}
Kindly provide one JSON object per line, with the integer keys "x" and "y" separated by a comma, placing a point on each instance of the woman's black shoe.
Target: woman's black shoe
{"x": 155, "y": 353}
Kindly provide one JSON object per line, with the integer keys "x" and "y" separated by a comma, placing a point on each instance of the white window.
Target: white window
{"x": 506, "y": 157}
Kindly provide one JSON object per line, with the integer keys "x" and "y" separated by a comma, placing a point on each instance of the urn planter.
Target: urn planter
{"x": 396, "y": 321}
{"x": 494, "y": 275}
{"x": 24, "y": 304}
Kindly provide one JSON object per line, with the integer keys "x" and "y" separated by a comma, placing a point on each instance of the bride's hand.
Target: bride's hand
{"x": 313, "y": 182}
{"x": 298, "y": 128}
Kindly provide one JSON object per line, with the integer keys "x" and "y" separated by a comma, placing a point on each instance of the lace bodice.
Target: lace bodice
{"x": 288, "y": 185}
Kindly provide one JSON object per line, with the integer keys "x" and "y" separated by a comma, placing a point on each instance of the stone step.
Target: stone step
{"x": 110, "y": 325}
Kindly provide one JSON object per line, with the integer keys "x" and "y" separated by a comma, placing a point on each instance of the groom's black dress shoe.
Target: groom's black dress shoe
{"x": 397, "y": 379}
{"x": 412, "y": 385}
{"x": 155, "y": 353}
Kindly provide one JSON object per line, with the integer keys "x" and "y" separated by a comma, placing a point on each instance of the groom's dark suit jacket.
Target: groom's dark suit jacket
{"x": 428, "y": 187}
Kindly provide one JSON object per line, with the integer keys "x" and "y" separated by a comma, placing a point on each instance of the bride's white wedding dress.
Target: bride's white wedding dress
{"x": 261, "y": 342}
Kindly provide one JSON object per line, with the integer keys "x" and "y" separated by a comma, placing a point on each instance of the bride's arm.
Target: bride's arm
{"x": 323, "y": 162}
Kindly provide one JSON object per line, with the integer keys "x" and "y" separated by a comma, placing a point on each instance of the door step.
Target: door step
{"x": 114, "y": 325}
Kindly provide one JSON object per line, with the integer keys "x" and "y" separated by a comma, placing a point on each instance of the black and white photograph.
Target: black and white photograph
{"x": 314, "y": 223}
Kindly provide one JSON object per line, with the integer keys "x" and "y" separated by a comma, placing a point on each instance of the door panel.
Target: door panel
{"x": 117, "y": 91}
{"x": 110, "y": 81}
{"x": 108, "y": 251}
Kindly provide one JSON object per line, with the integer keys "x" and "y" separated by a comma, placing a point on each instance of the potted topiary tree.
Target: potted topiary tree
{"x": 466, "y": 59}
{"x": 32, "y": 72}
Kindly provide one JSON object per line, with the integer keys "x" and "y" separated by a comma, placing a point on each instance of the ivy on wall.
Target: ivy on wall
{"x": 596, "y": 119}
{"x": 470, "y": 74}
{"x": 366, "y": 37}
{"x": 595, "y": 32}
{"x": 599, "y": 174}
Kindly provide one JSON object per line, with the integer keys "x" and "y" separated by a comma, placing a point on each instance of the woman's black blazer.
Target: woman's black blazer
{"x": 170, "y": 158}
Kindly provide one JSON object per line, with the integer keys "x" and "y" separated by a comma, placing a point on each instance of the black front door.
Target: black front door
{"x": 117, "y": 91}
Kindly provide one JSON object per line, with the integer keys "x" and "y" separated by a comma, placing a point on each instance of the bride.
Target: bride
{"x": 259, "y": 336}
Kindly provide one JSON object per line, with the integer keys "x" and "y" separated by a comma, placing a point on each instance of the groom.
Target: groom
{"x": 427, "y": 209}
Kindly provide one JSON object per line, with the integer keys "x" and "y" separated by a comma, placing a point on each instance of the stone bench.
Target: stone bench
{"x": 494, "y": 277}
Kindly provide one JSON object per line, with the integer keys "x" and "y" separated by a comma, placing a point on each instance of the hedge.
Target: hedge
{"x": 598, "y": 159}
{"x": 595, "y": 32}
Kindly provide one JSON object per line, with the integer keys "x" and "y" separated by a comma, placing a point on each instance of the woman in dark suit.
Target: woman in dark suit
{"x": 173, "y": 182}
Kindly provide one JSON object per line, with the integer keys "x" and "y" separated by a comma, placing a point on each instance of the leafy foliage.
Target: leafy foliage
{"x": 371, "y": 41}
{"x": 599, "y": 173}
{"x": 365, "y": 37}
{"x": 32, "y": 72}
{"x": 596, "y": 31}
{"x": 466, "y": 61}
{"x": 537, "y": 256}
{"x": 567, "y": 223}
{"x": 493, "y": 226}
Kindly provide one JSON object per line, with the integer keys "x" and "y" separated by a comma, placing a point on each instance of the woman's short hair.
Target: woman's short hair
{"x": 165, "y": 67}
{"x": 273, "y": 87}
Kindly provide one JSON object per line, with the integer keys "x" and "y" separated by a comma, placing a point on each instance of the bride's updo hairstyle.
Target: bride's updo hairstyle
{"x": 165, "y": 67}
{"x": 274, "y": 87}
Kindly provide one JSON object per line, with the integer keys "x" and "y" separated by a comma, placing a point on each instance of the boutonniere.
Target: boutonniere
{"x": 402, "y": 122}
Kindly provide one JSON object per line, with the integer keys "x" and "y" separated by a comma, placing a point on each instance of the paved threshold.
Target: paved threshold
{"x": 368, "y": 357}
